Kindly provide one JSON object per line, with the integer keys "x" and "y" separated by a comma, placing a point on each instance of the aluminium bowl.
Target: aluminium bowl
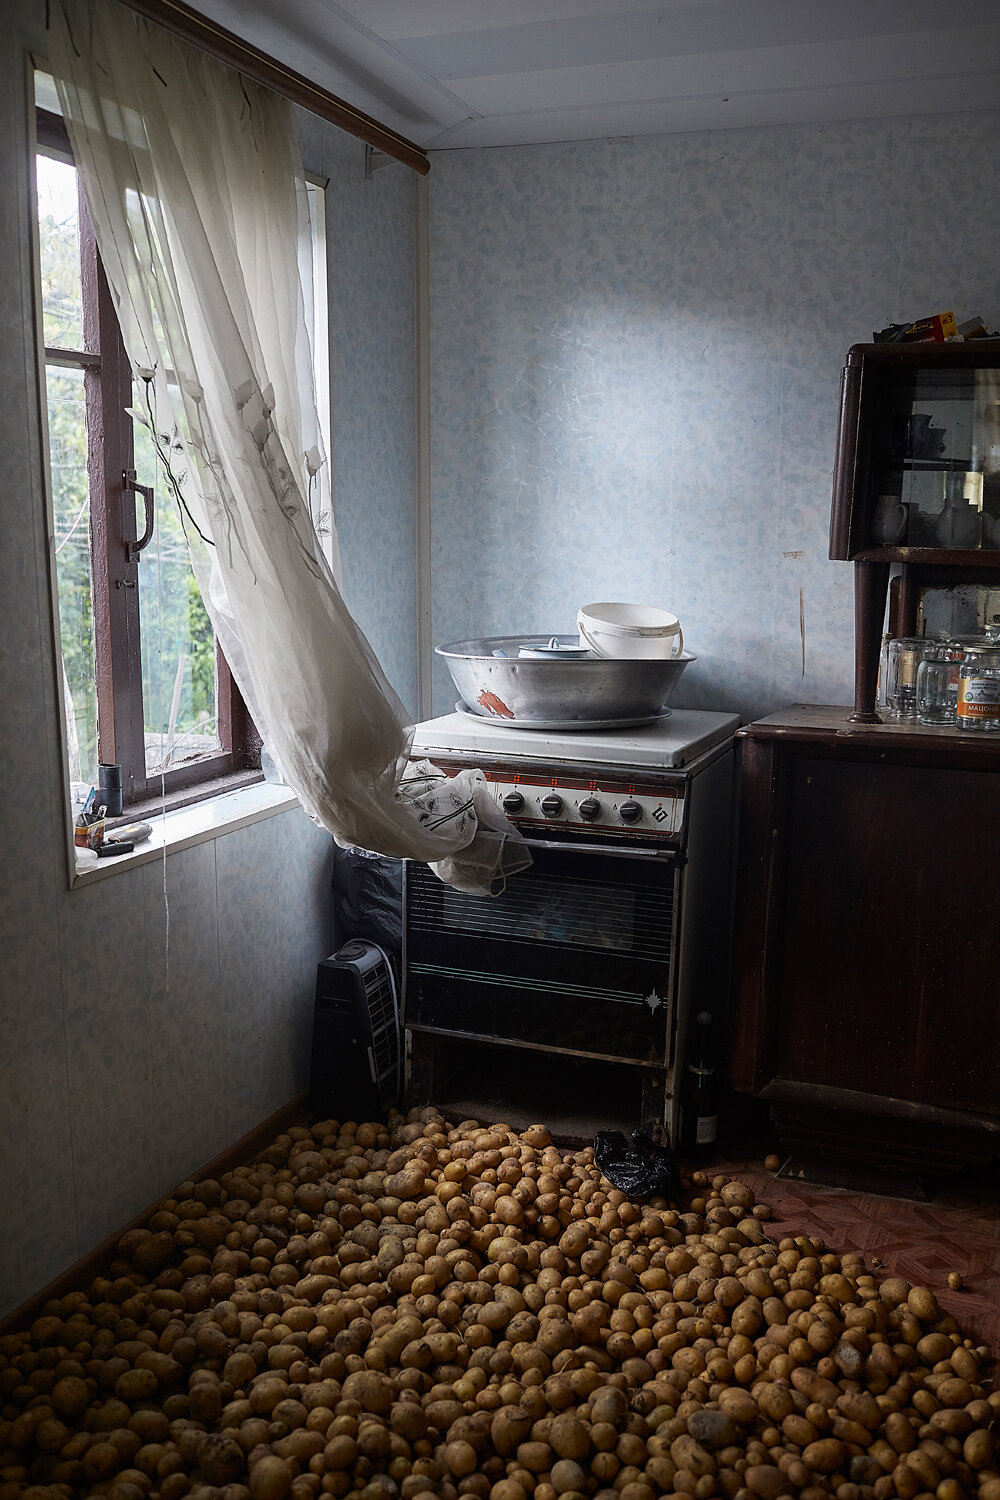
{"x": 518, "y": 691}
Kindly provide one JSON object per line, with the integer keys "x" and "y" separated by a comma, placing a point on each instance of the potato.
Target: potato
{"x": 978, "y": 1448}
{"x": 419, "y": 1310}
{"x": 71, "y": 1396}
{"x": 220, "y": 1459}
{"x": 824, "y": 1455}
{"x": 509, "y": 1428}
{"x": 568, "y": 1437}
{"x": 747, "y": 1317}
{"x": 738, "y": 1404}
{"x": 270, "y": 1479}
{"x": 608, "y": 1405}
{"x": 407, "y": 1184}
{"x": 923, "y": 1303}
{"x": 764, "y": 1480}
{"x": 688, "y": 1454}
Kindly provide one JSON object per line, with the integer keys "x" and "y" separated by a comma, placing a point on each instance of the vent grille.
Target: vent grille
{"x": 626, "y": 919}
{"x": 558, "y": 989}
{"x": 378, "y": 999}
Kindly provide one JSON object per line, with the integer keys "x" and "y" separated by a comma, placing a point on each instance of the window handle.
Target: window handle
{"x": 129, "y": 482}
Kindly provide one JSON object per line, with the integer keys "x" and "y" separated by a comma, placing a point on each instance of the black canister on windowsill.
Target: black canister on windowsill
{"x": 110, "y": 782}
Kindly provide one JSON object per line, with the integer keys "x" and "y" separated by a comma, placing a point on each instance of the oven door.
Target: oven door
{"x": 576, "y": 954}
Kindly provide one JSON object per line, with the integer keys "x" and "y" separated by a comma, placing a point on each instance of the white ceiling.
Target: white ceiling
{"x": 451, "y": 73}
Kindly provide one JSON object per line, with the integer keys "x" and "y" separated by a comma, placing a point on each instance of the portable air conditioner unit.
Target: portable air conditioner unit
{"x": 356, "y": 1037}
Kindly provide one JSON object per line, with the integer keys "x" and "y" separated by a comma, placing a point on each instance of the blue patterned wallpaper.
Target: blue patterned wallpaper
{"x": 371, "y": 302}
{"x": 636, "y": 349}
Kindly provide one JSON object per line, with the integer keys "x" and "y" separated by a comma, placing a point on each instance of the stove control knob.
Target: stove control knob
{"x": 552, "y": 805}
{"x": 589, "y": 809}
{"x": 630, "y": 812}
{"x": 513, "y": 802}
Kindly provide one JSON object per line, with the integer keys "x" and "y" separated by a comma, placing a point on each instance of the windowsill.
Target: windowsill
{"x": 185, "y": 826}
{"x": 200, "y": 791}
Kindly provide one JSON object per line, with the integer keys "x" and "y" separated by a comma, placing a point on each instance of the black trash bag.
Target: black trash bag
{"x": 368, "y": 901}
{"x": 642, "y": 1170}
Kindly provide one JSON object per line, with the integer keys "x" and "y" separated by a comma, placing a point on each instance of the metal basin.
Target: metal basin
{"x": 529, "y": 692}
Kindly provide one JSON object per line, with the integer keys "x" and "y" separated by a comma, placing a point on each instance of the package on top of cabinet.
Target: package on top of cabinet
{"x": 974, "y": 328}
{"x": 934, "y": 330}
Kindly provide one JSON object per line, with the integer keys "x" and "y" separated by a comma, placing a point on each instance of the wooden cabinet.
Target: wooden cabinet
{"x": 916, "y": 483}
{"x": 868, "y": 944}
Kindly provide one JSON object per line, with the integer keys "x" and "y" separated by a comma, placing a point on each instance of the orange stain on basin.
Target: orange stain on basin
{"x": 495, "y": 705}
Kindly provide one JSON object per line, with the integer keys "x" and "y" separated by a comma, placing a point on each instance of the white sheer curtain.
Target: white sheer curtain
{"x": 193, "y": 180}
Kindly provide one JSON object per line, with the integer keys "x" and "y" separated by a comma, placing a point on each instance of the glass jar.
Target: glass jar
{"x": 904, "y": 657}
{"x": 978, "y": 706}
{"x": 937, "y": 686}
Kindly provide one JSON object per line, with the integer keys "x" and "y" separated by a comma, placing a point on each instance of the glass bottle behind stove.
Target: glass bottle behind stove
{"x": 700, "y": 1093}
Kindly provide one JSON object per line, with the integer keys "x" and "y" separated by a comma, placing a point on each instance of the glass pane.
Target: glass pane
{"x": 179, "y": 690}
{"x": 581, "y": 913}
{"x": 936, "y": 477}
{"x": 59, "y": 240}
{"x": 71, "y": 510}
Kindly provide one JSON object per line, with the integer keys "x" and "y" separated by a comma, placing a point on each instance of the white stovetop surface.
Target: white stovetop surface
{"x": 672, "y": 741}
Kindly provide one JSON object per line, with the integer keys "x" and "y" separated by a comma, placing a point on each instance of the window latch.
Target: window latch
{"x": 129, "y": 482}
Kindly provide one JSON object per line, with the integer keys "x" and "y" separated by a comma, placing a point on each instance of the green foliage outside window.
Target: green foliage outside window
{"x": 177, "y": 643}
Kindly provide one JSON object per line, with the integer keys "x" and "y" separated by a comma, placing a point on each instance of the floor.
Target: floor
{"x": 957, "y": 1230}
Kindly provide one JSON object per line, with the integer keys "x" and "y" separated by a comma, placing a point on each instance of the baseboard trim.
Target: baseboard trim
{"x": 96, "y": 1261}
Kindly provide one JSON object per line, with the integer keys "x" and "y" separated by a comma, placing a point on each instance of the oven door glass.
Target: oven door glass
{"x": 576, "y": 953}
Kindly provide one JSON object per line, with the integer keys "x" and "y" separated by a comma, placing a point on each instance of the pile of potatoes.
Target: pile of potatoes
{"x": 421, "y": 1311}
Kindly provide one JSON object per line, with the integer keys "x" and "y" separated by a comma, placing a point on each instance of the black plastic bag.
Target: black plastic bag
{"x": 368, "y": 901}
{"x": 642, "y": 1170}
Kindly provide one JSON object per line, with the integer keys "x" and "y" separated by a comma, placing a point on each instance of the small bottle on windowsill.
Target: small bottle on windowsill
{"x": 700, "y": 1093}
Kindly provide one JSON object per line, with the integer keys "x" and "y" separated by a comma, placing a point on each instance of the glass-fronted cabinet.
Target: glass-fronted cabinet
{"x": 916, "y": 482}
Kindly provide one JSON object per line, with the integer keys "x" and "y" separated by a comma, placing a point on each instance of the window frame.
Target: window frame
{"x": 116, "y": 603}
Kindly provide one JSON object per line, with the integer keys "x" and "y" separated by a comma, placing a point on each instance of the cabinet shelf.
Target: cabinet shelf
{"x": 928, "y": 465}
{"x": 889, "y": 393}
{"x": 940, "y": 557}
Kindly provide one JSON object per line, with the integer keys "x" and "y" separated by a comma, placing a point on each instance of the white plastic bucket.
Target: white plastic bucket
{"x": 630, "y": 631}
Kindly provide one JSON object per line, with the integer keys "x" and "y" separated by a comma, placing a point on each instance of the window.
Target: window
{"x": 144, "y": 681}
{"x": 319, "y": 329}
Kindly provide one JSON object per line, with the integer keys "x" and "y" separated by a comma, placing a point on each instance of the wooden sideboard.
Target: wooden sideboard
{"x": 867, "y": 957}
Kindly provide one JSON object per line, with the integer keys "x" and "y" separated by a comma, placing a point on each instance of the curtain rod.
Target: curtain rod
{"x": 229, "y": 48}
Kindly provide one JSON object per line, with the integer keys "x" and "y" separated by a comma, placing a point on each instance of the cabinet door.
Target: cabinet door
{"x": 918, "y": 452}
{"x": 888, "y": 934}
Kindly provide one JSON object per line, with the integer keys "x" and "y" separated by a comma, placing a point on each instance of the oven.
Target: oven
{"x": 567, "y": 997}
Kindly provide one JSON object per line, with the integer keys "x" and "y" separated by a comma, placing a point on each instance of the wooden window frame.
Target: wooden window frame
{"x": 107, "y": 377}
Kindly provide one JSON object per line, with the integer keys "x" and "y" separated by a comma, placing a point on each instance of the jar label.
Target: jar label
{"x": 708, "y": 1129}
{"x": 908, "y": 663}
{"x": 978, "y": 698}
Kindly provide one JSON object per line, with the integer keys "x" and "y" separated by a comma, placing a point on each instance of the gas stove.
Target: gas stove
{"x": 608, "y": 782}
{"x": 672, "y": 741}
{"x": 579, "y": 981}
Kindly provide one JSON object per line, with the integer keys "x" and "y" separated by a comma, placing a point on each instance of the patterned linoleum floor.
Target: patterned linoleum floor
{"x": 957, "y": 1230}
